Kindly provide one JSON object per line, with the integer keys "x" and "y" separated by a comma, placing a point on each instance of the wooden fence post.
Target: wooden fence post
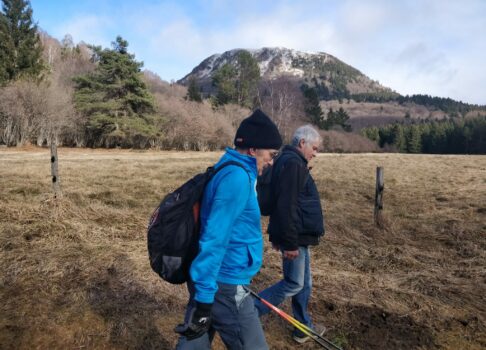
{"x": 380, "y": 185}
{"x": 56, "y": 183}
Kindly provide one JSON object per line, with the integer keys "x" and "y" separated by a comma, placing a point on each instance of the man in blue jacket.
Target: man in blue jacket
{"x": 230, "y": 245}
{"x": 296, "y": 222}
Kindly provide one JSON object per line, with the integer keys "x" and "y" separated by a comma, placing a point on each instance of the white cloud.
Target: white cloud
{"x": 91, "y": 29}
{"x": 282, "y": 28}
{"x": 419, "y": 59}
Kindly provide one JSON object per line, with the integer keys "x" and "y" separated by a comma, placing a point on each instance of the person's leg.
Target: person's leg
{"x": 300, "y": 301}
{"x": 292, "y": 283}
{"x": 250, "y": 326}
{"x": 236, "y": 320}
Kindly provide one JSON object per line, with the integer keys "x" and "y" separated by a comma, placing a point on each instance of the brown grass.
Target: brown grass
{"x": 75, "y": 271}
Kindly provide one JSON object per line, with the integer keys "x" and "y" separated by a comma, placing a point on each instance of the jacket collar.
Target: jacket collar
{"x": 293, "y": 149}
{"x": 247, "y": 161}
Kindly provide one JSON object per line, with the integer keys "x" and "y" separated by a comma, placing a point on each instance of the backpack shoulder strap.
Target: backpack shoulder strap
{"x": 231, "y": 162}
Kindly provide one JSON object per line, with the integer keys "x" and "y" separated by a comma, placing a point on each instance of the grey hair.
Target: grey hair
{"x": 306, "y": 133}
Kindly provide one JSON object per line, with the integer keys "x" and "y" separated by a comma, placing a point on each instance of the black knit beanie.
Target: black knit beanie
{"x": 258, "y": 131}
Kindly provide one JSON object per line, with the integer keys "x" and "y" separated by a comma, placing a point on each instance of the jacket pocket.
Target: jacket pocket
{"x": 255, "y": 252}
{"x": 312, "y": 219}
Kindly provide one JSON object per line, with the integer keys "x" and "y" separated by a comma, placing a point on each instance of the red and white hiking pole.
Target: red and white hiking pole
{"x": 319, "y": 339}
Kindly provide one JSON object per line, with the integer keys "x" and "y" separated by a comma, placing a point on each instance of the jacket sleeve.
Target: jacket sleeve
{"x": 289, "y": 184}
{"x": 231, "y": 191}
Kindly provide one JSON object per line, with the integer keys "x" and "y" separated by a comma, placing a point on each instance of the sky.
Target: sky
{"x": 434, "y": 47}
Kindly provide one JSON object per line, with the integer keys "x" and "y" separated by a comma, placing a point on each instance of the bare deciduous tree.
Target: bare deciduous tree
{"x": 21, "y": 112}
{"x": 282, "y": 99}
{"x": 38, "y": 112}
{"x": 197, "y": 126}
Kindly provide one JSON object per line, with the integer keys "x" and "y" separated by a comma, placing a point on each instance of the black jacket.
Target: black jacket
{"x": 296, "y": 219}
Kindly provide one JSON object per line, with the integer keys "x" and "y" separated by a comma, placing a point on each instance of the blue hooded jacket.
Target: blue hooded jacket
{"x": 231, "y": 243}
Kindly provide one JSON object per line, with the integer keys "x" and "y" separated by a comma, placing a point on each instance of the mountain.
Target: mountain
{"x": 333, "y": 77}
{"x": 366, "y": 101}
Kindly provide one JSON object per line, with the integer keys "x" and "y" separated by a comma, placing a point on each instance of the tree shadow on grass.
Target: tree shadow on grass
{"x": 375, "y": 328}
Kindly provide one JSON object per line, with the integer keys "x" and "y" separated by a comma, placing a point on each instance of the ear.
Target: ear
{"x": 301, "y": 143}
{"x": 252, "y": 152}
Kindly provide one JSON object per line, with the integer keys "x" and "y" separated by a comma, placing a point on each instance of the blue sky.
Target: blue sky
{"x": 435, "y": 47}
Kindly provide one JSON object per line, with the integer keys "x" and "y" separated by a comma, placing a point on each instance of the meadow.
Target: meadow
{"x": 75, "y": 272}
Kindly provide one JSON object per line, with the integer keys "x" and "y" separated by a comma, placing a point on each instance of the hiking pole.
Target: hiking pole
{"x": 325, "y": 343}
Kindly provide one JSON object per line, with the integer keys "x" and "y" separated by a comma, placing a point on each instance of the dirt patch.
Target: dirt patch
{"x": 374, "y": 328}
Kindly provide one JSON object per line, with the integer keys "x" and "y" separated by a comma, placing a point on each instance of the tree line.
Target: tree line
{"x": 456, "y": 136}
{"x": 447, "y": 105}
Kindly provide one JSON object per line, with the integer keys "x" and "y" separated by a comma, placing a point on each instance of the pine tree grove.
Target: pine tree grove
{"x": 442, "y": 137}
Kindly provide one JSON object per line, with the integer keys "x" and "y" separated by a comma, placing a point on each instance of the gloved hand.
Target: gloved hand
{"x": 198, "y": 323}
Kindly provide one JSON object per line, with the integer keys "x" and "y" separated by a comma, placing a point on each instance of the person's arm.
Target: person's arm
{"x": 290, "y": 183}
{"x": 229, "y": 200}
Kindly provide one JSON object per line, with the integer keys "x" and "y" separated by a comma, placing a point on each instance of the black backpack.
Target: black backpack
{"x": 266, "y": 198}
{"x": 266, "y": 186}
{"x": 173, "y": 230}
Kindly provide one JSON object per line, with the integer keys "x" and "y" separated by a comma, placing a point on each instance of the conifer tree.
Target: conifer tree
{"x": 193, "y": 93}
{"x": 114, "y": 98}
{"x": 312, "y": 107}
{"x": 224, "y": 80}
{"x": 338, "y": 118}
{"x": 238, "y": 83}
{"x": 414, "y": 139}
{"x": 372, "y": 133}
{"x": 398, "y": 138}
{"x": 331, "y": 119}
{"x": 437, "y": 138}
{"x": 248, "y": 78}
{"x": 342, "y": 119}
{"x": 20, "y": 46}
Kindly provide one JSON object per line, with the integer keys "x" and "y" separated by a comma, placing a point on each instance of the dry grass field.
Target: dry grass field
{"x": 75, "y": 273}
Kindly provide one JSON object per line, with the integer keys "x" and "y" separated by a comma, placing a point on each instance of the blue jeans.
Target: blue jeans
{"x": 297, "y": 283}
{"x": 233, "y": 316}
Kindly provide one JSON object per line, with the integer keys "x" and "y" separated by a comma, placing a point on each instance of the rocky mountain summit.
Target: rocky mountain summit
{"x": 332, "y": 75}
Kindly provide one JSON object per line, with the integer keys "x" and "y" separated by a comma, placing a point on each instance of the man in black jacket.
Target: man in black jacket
{"x": 296, "y": 222}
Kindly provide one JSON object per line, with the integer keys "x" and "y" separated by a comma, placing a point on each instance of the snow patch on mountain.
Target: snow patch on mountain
{"x": 272, "y": 62}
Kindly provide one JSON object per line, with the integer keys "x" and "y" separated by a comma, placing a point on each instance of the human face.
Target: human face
{"x": 264, "y": 157}
{"x": 308, "y": 150}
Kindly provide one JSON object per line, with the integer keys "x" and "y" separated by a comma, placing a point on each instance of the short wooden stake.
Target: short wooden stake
{"x": 56, "y": 182}
{"x": 380, "y": 186}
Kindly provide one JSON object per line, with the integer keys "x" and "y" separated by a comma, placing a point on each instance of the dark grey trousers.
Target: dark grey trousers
{"x": 234, "y": 317}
